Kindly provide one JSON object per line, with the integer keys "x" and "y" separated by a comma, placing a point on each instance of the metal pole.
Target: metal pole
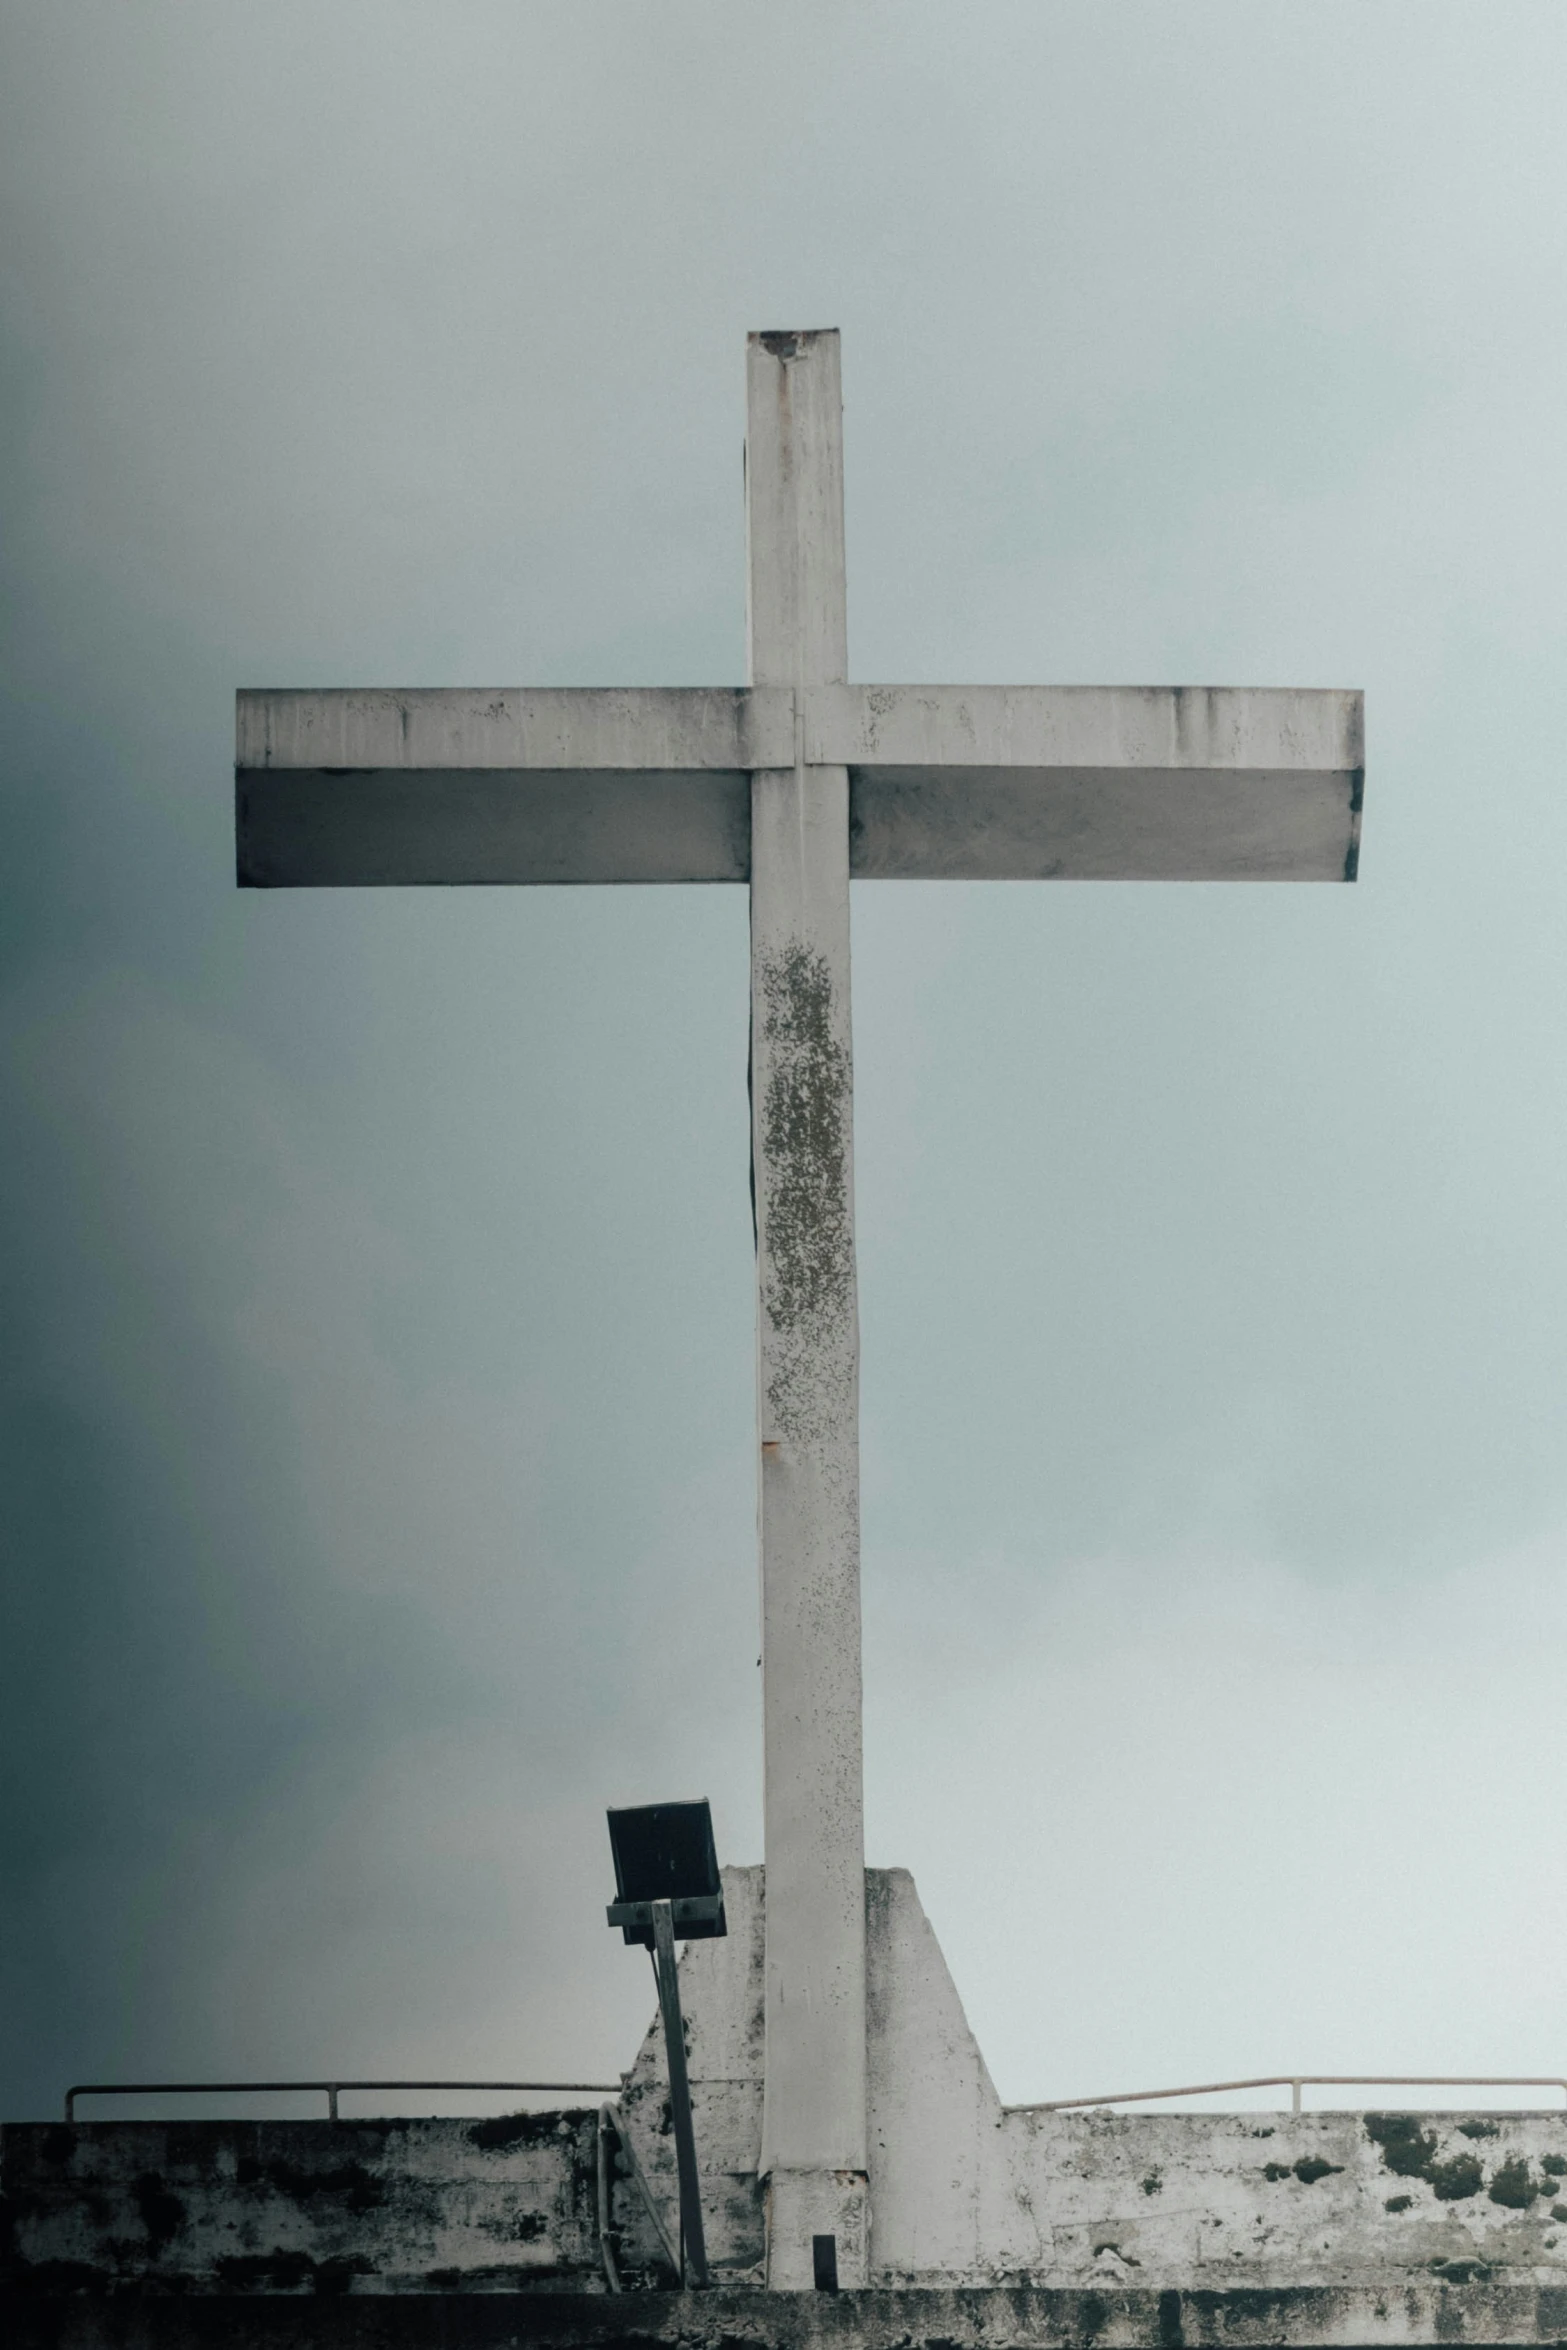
{"x": 602, "y": 2183}
{"x": 693, "y": 2246}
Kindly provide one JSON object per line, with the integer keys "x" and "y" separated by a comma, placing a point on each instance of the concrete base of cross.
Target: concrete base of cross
{"x": 963, "y": 2192}
{"x": 933, "y": 2111}
{"x": 818, "y": 2230}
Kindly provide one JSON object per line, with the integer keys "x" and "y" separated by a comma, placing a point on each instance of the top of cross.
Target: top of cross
{"x": 544, "y": 784}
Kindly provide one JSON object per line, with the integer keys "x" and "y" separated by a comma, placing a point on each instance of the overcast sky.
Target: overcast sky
{"x": 377, "y": 1311}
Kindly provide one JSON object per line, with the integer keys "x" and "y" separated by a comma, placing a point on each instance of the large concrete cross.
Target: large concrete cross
{"x": 796, "y": 784}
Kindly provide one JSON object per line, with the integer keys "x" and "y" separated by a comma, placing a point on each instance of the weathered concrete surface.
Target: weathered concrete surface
{"x": 1261, "y": 2201}
{"x": 813, "y": 2152}
{"x": 1020, "y": 2318}
{"x": 518, "y": 730}
{"x": 319, "y": 2208}
{"x": 583, "y": 784}
{"x": 963, "y": 2193}
{"x": 1301, "y": 731}
{"x": 1095, "y": 783}
{"x": 510, "y": 785}
{"x": 1347, "y": 2209}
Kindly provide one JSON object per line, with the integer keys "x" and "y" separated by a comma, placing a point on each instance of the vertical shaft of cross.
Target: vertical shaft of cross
{"x": 814, "y": 2112}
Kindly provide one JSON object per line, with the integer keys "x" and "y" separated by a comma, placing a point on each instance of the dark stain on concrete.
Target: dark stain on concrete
{"x": 1411, "y": 2153}
{"x": 582, "y": 2189}
{"x": 1477, "y": 2129}
{"x": 284, "y": 2271}
{"x": 1399, "y": 2203}
{"x": 1264, "y": 2312}
{"x": 57, "y": 2277}
{"x": 512, "y": 2129}
{"x": 1153, "y": 2184}
{"x": 516, "y": 2227}
{"x": 1311, "y": 2167}
{"x": 1478, "y": 2311}
{"x": 359, "y": 2188}
{"x": 1407, "y": 2149}
{"x": 162, "y": 2214}
{"x": 337, "y": 2275}
{"x": 1448, "y": 2320}
{"x": 805, "y": 1117}
{"x": 1460, "y": 2272}
{"x": 1514, "y": 2186}
{"x": 277, "y": 2271}
{"x": 784, "y": 346}
{"x": 1555, "y": 2165}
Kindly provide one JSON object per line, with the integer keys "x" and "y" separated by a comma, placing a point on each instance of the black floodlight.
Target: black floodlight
{"x": 666, "y": 1876}
{"x": 665, "y": 1852}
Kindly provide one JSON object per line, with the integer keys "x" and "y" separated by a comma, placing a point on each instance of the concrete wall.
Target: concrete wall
{"x": 1256, "y": 2201}
{"x": 1303, "y": 2318}
{"x": 298, "y": 2207}
{"x": 963, "y": 2193}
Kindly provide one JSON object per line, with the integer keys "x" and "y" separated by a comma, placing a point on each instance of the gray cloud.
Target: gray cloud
{"x": 376, "y": 1405}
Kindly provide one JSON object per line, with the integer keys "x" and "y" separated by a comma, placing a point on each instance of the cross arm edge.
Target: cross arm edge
{"x": 343, "y": 730}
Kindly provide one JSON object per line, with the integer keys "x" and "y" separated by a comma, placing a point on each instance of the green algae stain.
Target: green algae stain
{"x": 1513, "y": 2187}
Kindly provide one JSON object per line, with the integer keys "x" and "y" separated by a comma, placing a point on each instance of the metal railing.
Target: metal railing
{"x": 330, "y": 2090}
{"x": 1295, "y": 2082}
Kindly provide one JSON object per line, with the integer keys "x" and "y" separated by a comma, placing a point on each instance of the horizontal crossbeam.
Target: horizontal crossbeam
{"x": 945, "y": 782}
{"x": 520, "y": 728}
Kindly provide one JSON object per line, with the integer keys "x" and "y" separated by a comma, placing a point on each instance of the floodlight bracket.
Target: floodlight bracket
{"x": 693, "y": 2242}
{"x": 697, "y": 1910}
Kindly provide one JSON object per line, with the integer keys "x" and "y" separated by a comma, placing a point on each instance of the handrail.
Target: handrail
{"x": 1295, "y": 2082}
{"x": 331, "y": 2090}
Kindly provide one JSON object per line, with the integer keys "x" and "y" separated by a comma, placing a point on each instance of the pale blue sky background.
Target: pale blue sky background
{"x": 377, "y": 1451}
